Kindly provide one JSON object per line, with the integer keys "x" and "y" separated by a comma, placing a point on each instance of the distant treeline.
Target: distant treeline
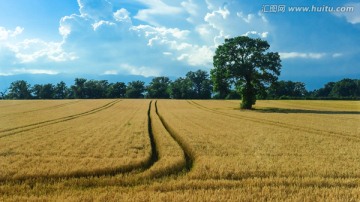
{"x": 195, "y": 85}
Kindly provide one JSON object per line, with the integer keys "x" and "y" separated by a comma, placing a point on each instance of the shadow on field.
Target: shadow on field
{"x": 303, "y": 111}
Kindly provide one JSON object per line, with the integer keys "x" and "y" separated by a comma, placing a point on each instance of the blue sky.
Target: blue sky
{"x": 171, "y": 37}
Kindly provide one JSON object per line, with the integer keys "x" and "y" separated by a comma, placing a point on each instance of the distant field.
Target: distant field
{"x": 179, "y": 150}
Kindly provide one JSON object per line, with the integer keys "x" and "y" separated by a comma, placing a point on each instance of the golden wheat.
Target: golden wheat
{"x": 201, "y": 151}
{"x": 110, "y": 140}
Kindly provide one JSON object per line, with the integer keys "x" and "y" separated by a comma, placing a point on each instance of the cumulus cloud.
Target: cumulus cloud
{"x": 227, "y": 21}
{"x": 198, "y": 56}
{"x": 158, "y": 43}
{"x": 122, "y": 15}
{"x": 28, "y": 53}
{"x": 32, "y": 50}
{"x": 290, "y": 55}
{"x": 156, "y": 40}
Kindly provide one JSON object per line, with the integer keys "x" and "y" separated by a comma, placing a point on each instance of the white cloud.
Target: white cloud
{"x": 111, "y": 72}
{"x": 161, "y": 31}
{"x": 290, "y": 55}
{"x": 31, "y": 50}
{"x": 198, "y": 56}
{"x": 203, "y": 30}
{"x": 122, "y": 15}
{"x": 167, "y": 53}
{"x": 222, "y": 12}
{"x": 228, "y": 21}
{"x": 256, "y": 34}
{"x": 105, "y": 39}
{"x": 156, "y": 8}
{"x": 102, "y": 23}
{"x": 96, "y": 9}
{"x": 6, "y": 34}
{"x": 28, "y": 71}
{"x": 248, "y": 18}
{"x": 142, "y": 70}
{"x": 337, "y": 55}
{"x": 6, "y": 74}
{"x": 174, "y": 41}
{"x": 191, "y": 7}
{"x": 352, "y": 17}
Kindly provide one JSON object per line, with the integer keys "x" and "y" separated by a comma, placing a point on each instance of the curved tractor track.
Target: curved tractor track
{"x": 170, "y": 155}
{"x": 189, "y": 154}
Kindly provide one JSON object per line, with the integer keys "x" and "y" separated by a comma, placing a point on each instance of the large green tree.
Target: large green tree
{"x": 245, "y": 63}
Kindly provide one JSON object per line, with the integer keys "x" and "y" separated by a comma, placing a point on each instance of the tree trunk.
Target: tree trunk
{"x": 248, "y": 95}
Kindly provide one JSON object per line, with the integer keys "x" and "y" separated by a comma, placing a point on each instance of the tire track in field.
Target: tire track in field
{"x": 149, "y": 172}
{"x": 159, "y": 166}
{"x": 45, "y": 108}
{"x": 189, "y": 153}
{"x": 195, "y": 184}
{"x": 135, "y": 179}
{"x": 278, "y": 124}
{"x": 29, "y": 127}
{"x": 154, "y": 153}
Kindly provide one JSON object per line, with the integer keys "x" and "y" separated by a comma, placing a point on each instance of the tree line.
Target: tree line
{"x": 195, "y": 85}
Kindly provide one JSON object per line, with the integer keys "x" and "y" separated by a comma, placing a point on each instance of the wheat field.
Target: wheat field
{"x": 179, "y": 150}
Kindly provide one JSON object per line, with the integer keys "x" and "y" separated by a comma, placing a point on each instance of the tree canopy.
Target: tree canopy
{"x": 346, "y": 88}
{"x": 135, "y": 89}
{"x": 244, "y": 62}
{"x": 159, "y": 87}
{"x": 20, "y": 90}
{"x": 282, "y": 89}
{"x": 196, "y": 85}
